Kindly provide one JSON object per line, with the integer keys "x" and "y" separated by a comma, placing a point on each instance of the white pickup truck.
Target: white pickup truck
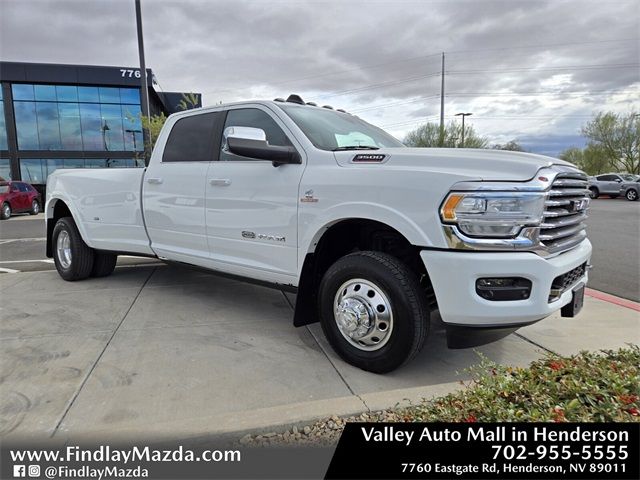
{"x": 373, "y": 236}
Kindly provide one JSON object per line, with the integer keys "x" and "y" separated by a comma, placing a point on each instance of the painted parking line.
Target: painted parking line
{"x": 40, "y": 260}
{"x": 606, "y": 297}
{"x": 8, "y": 270}
{"x": 13, "y": 240}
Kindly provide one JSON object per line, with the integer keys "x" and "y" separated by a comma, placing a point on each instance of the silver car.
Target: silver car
{"x": 614, "y": 185}
{"x": 631, "y": 187}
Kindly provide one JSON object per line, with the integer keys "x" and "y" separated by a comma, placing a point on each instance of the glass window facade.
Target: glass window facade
{"x": 67, "y": 117}
{"x": 36, "y": 170}
{"x": 3, "y": 130}
{"x": 5, "y": 169}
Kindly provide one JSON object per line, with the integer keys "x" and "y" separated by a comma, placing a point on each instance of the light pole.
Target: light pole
{"x": 463, "y": 115}
{"x": 144, "y": 87}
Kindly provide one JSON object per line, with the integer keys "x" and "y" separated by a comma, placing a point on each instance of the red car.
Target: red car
{"x": 16, "y": 197}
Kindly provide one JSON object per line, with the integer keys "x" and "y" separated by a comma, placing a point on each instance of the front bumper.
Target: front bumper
{"x": 454, "y": 273}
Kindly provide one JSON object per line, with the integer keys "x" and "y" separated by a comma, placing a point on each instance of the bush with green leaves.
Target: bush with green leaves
{"x": 588, "y": 387}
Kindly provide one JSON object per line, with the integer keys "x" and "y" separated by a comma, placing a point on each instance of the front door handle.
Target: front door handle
{"x": 155, "y": 181}
{"x": 219, "y": 182}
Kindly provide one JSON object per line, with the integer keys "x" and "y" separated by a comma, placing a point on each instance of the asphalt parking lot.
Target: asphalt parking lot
{"x": 163, "y": 351}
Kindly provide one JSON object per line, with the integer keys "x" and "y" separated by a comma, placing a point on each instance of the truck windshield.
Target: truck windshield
{"x": 331, "y": 130}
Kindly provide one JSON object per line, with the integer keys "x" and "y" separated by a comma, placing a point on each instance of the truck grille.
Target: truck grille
{"x": 565, "y": 211}
{"x": 564, "y": 282}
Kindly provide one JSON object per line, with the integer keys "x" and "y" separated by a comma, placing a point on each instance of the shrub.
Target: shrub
{"x": 587, "y": 387}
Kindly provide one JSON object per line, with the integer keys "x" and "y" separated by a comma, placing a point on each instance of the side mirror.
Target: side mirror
{"x": 618, "y": 180}
{"x": 252, "y": 143}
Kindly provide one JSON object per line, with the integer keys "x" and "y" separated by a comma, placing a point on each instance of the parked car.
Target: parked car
{"x": 371, "y": 235}
{"x": 609, "y": 184}
{"x": 631, "y": 187}
{"x": 17, "y": 197}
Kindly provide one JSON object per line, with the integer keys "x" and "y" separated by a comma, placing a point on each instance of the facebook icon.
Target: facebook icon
{"x": 19, "y": 471}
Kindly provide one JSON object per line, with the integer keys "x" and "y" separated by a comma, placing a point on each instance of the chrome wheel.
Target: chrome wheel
{"x": 6, "y": 210}
{"x": 63, "y": 249}
{"x": 363, "y": 314}
{"x": 35, "y": 208}
{"x": 632, "y": 195}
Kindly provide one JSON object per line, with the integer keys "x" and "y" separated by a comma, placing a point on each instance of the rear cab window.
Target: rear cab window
{"x": 194, "y": 138}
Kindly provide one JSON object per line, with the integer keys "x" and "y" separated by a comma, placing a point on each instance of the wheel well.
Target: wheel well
{"x": 60, "y": 210}
{"x": 349, "y": 236}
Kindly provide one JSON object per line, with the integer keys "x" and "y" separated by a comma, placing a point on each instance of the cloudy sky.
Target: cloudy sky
{"x": 533, "y": 71}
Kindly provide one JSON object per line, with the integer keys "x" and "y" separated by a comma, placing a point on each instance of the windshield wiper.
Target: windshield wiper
{"x": 356, "y": 147}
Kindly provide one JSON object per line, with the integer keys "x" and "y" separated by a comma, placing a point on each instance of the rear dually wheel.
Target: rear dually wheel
{"x": 72, "y": 257}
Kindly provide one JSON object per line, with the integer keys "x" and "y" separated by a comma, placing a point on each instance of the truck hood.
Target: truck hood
{"x": 475, "y": 164}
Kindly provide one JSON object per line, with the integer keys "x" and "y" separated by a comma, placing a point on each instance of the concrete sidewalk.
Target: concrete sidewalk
{"x": 163, "y": 352}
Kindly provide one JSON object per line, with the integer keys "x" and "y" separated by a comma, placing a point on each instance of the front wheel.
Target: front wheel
{"x": 73, "y": 258}
{"x": 594, "y": 193}
{"x": 5, "y": 212}
{"x": 35, "y": 208}
{"x": 373, "y": 311}
{"x": 631, "y": 195}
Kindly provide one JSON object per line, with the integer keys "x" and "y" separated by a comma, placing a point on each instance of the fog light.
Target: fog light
{"x": 503, "y": 289}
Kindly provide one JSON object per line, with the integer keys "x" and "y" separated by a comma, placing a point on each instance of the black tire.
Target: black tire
{"x": 408, "y": 305}
{"x": 5, "y": 212}
{"x": 103, "y": 264}
{"x": 594, "y": 192}
{"x": 81, "y": 261}
{"x": 35, "y": 208}
{"x": 631, "y": 195}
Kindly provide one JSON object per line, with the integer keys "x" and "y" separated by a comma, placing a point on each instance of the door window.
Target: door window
{"x": 194, "y": 139}
{"x": 607, "y": 178}
{"x": 253, "y": 117}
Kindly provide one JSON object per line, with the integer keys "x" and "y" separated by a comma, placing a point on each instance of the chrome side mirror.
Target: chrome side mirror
{"x": 252, "y": 142}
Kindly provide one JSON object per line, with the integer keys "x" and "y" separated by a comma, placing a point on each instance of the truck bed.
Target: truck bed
{"x": 106, "y": 204}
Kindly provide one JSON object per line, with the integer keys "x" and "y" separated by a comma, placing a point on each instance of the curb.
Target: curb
{"x": 232, "y": 426}
{"x": 607, "y": 297}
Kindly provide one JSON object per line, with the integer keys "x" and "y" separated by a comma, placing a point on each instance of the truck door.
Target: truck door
{"x": 252, "y": 206}
{"x": 174, "y": 189}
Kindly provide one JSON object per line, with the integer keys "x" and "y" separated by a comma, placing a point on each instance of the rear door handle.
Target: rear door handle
{"x": 155, "y": 181}
{"x": 220, "y": 182}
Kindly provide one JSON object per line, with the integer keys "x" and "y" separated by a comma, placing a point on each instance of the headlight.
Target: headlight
{"x": 493, "y": 214}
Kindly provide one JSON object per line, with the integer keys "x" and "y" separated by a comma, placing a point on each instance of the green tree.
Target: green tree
{"x": 152, "y": 125}
{"x": 188, "y": 101}
{"x": 619, "y": 138}
{"x": 428, "y": 135}
{"x": 593, "y": 159}
{"x": 572, "y": 155}
{"x": 512, "y": 145}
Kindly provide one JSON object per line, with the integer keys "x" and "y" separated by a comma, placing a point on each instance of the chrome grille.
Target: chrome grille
{"x": 565, "y": 211}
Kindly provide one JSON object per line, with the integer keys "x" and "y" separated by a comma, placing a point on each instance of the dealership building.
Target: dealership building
{"x": 73, "y": 116}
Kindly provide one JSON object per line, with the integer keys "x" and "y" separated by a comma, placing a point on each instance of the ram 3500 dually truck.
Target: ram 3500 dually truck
{"x": 373, "y": 236}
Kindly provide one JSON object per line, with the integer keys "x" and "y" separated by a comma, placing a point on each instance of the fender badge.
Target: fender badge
{"x": 308, "y": 197}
